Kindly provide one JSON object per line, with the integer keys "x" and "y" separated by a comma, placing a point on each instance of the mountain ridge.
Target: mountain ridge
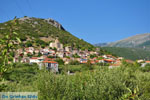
{"x": 136, "y": 41}
{"x": 134, "y": 47}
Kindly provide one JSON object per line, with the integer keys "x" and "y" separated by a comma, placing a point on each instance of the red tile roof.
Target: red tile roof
{"x": 97, "y": 61}
{"x": 147, "y": 61}
{"x": 34, "y": 58}
{"x": 129, "y": 61}
{"x": 92, "y": 62}
{"x": 47, "y": 59}
{"x": 49, "y": 62}
{"x": 109, "y": 55}
{"x": 118, "y": 60}
{"x": 109, "y": 60}
{"x": 84, "y": 62}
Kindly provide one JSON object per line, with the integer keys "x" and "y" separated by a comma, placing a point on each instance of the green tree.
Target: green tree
{"x": 39, "y": 54}
{"x": 89, "y": 65}
{"x": 8, "y": 44}
{"x": 93, "y": 55}
{"x": 76, "y": 56}
{"x": 60, "y": 61}
{"x": 29, "y": 55}
{"x": 28, "y": 43}
{"x": 74, "y": 62}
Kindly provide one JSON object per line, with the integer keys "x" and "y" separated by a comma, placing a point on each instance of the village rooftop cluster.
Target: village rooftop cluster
{"x": 47, "y": 56}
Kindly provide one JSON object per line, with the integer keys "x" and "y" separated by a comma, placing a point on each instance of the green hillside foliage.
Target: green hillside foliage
{"x": 34, "y": 28}
{"x": 129, "y": 53}
{"x": 145, "y": 45}
{"x": 128, "y": 82}
{"x": 7, "y": 48}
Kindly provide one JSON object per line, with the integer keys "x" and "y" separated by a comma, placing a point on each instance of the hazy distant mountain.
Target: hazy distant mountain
{"x": 141, "y": 40}
{"x": 101, "y": 44}
{"x": 135, "y": 47}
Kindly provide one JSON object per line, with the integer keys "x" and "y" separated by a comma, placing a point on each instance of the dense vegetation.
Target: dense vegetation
{"x": 145, "y": 45}
{"x": 130, "y": 82}
{"x": 8, "y": 44}
{"x": 33, "y": 29}
{"x": 129, "y": 53}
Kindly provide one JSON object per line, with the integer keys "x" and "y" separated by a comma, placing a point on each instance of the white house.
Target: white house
{"x": 36, "y": 60}
{"x": 60, "y": 54}
{"x": 30, "y": 49}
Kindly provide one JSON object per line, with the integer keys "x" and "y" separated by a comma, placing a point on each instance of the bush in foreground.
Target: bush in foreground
{"x": 123, "y": 83}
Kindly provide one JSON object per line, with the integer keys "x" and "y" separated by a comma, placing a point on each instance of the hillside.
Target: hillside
{"x": 43, "y": 31}
{"x": 129, "y": 53}
{"x": 135, "y": 47}
{"x": 137, "y": 41}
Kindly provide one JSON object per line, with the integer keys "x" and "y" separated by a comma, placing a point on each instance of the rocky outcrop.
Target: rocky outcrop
{"x": 54, "y": 23}
{"x": 49, "y": 21}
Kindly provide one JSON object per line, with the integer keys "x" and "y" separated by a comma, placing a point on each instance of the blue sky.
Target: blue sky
{"x": 95, "y": 21}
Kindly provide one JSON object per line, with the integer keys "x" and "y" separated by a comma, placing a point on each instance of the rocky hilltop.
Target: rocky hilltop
{"x": 38, "y": 31}
{"x": 54, "y": 23}
{"x": 49, "y": 21}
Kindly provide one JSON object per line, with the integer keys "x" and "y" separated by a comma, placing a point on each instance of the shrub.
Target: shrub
{"x": 74, "y": 62}
{"x": 29, "y": 44}
{"x": 121, "y": 83}
{"x": 93, "y": 55}
{"x": 146, "y": 68}
{"x": 76, "y": 56}
{"x": 60, "y": 61}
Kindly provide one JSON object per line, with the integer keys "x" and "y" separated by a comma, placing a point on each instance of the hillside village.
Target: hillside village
{"x": 47, "y": 56}
{"x": 57, "y": 50}
{"x": 53, "y": 45}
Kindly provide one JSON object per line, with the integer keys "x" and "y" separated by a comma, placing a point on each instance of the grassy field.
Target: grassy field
{"x": 128, "y": 82}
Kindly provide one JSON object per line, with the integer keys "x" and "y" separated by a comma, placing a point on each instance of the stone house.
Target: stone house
{"x": 37, "y": 51}
{"x": 60, "y": 54}
{"x": 68, "y": 49}
{"x": 51, "y": 65}
{"x": 75, "y": 51}
{"x": 69, "y": 54}
{"x": 56, "y": 45}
